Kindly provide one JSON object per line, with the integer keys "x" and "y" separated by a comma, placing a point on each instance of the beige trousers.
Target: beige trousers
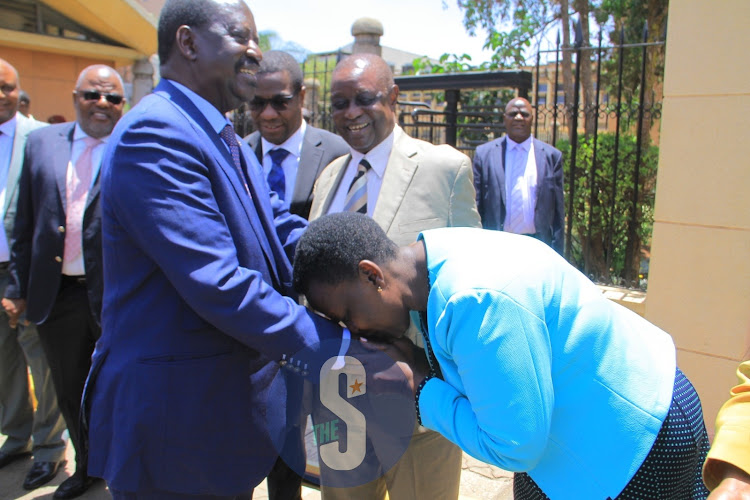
{"x": 430, "y": 469}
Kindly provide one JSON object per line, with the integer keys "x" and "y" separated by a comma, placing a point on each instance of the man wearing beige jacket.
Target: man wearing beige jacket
{"x": 407, "y": 186}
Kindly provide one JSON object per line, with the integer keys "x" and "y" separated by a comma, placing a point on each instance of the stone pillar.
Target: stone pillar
{"x": 698, "y": 287}
{"x": 143, "y": 80}
{"x": 367, "y": 32}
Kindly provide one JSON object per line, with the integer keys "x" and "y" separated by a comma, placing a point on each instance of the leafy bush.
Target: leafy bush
{"x": 593, "y": 212}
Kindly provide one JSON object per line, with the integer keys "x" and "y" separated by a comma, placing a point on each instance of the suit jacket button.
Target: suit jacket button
{"x": 61, "y": 229}
{"x": 58, "y": 259}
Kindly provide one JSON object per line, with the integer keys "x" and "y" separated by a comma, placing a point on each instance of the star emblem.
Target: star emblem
{"x": 356, "y": 386}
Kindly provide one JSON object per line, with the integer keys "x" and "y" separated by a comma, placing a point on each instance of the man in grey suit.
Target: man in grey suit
{"x": 406, "y": 186}
{"x": 519, "y": 181}
{"x": 302, "y": 151}
{"x": 28, "y": 431}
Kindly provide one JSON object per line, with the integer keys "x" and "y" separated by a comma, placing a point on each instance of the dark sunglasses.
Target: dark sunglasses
{"x": 94, "y": 95}
{"x": 278, "y": 102}
{"x": 524, "y": 114}
{"x": 361, "y": 100}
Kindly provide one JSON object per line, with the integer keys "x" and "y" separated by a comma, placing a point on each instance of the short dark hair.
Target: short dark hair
{"x": 332, "y": 247}
{"x": 23, "y": 97}
{"x": 278, "y": 60}
{"x": 175, "y": 13}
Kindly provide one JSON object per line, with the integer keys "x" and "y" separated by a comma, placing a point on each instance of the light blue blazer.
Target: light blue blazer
{"x": 542, "y": 374}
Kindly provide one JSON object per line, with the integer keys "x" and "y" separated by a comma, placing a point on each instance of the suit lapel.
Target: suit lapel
{"x": 309, "y": 166}
{"x": 501, "y": 170}
{"x": 253, "y": 208}
{"x": 539, "y": 155}
{"x": 402, "y": 165}
{"x": 16, "y": 160}
{"x": 330, "y": 184}
{"x": 63, "y": 145}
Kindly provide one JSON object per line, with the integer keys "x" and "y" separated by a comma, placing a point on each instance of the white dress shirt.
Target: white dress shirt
{"x": 377, "y": 157}
{"x": 290, "y": 165}
{"x": 76, "y": 267}
{"x": 520, "y": 173}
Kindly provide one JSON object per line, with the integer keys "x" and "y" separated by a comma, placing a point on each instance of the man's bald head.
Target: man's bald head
{"x": 9, "y": 91}
{"x": 518, "y": 119}
{"x": 363, "y": 101}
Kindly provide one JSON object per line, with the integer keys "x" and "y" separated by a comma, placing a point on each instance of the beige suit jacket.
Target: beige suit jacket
{"x": 424, "y": 187}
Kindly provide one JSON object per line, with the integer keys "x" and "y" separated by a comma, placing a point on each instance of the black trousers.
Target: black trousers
{"x": 68, "y": 337}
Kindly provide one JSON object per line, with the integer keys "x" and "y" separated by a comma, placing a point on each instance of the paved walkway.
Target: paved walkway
{"x": 479, "y": 481}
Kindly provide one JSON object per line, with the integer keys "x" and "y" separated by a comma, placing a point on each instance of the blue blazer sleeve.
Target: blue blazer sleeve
{"x": 197, "y": 226}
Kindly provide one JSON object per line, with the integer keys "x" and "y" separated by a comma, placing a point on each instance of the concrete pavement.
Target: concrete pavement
{"x": 479, "y": 481}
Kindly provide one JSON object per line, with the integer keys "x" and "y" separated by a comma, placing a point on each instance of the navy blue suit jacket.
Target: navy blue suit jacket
{"x": 489, "y": 182}
{"x": 198, "y": 309}
{"x": 39, "y": 232}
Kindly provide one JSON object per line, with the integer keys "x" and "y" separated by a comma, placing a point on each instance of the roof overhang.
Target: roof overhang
{"x": 124, "y": 21}
{"x": 57, "y": 45}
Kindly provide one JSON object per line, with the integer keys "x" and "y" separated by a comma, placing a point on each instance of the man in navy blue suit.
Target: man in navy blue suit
{"x": 519, "y": 181}
{"x": 198, "y": 306}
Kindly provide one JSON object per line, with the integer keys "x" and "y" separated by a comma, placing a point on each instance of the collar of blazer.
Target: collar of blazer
{"x": 403, "y": 163}
{"x": 24, "y": 126}
{"x": 62, "y": 141}
{"x": 255, "y": 209}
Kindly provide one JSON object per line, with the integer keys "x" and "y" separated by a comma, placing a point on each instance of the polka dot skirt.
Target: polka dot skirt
{"x": 672, "y": 469}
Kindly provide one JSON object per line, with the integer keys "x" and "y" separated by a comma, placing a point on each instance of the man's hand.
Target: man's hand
{"x": 410, "y": 359}
{"x": 14, "y": 308}
{"x": 734, "y": 485}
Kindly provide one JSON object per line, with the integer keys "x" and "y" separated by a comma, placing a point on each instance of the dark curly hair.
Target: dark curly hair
{"x": 332, "y": 247}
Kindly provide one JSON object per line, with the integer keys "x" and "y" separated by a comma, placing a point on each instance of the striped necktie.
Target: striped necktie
{"x": 356, "y": 197}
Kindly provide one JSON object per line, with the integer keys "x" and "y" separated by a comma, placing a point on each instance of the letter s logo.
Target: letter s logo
{"x": 354, "y": 419}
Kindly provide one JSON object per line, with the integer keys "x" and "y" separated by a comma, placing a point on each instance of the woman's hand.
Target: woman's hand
{"x": 409, "y": 358}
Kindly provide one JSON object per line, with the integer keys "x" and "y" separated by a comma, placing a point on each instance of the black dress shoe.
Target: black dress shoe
{"x": 6, "y": 458}
{"x": 41, "y": 473}
{"x": 75, "y": 486}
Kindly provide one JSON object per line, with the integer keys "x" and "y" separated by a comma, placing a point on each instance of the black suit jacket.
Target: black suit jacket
{"x": 319, "y": 148}
{"x": 39, "y": 233}
{"x": 489, "y": 182}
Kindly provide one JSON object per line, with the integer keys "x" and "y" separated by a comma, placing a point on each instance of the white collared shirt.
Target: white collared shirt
{"x": 290, "y": 165}
{"x": 377, "y": 157}
{"x": 520, "y": 171}
{"x": 77, "y": 267}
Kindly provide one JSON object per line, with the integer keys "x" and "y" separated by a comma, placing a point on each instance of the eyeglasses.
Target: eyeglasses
{"x": 512, "y": 114}
{"x": 94, "y": 95}
{"x": 278, "y": 102}
{"x": 361, "y": 100}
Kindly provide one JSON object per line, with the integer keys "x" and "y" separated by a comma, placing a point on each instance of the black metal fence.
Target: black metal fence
{"x": 610, "y": 160}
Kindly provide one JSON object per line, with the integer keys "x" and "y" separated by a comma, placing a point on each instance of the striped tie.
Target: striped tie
{"x": 356, "y": 197}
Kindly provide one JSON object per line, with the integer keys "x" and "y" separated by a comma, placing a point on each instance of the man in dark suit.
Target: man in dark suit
{"x": 56, "y": 264}
{"x": 199, "y": 308}
{"x": 27, "y": 430}
{"x": 304, "y": 152}
{"x": 519, "y": 181}
{"x": 277, "y": 113}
